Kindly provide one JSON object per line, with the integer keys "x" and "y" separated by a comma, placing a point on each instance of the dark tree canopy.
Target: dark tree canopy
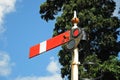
{"x": 102, "y": 28}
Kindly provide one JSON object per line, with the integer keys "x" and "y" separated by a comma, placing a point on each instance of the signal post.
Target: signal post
{"x": 75, "y": 55}
{"x": 71, "y": 37}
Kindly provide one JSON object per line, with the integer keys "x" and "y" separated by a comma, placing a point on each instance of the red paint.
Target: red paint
{"x": 34, "y": 51}
{"x": 58, "y": 40}
{"x": 51, "y": 43}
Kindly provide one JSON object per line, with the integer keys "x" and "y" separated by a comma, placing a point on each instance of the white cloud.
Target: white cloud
{"x": 6, "y": 6}
{"x": 117, "y": 8}
{"x": 53, "y": 68}
{"x": 5, "y": 64}
{"x": 53, "y": 77}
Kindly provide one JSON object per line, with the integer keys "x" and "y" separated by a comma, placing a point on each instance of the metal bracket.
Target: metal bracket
{"x": 75, "y": 63}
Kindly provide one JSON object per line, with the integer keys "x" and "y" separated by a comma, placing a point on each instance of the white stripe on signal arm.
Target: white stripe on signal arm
{"x": 49, "y": 44}
{"x": 42, "y": 47}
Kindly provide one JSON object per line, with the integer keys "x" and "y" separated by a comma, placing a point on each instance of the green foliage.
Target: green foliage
{"x": 101, "y": 49}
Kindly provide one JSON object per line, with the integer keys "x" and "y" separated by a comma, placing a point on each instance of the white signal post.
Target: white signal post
{"x": 75, "y": 55}
{"x": 59, "y": 40}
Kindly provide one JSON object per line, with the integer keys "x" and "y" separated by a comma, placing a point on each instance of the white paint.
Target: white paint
{"x": 75, "y": 63}
{"x": 75, "y": 26}
{"x": 42, "y": 47}
{"x": 75, "y": 14}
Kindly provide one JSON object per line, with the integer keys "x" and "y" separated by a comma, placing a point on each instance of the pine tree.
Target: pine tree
{"x": 99, "y": 53}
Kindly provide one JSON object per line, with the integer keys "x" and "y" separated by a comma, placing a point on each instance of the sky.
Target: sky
{"x": 20, "y": 28}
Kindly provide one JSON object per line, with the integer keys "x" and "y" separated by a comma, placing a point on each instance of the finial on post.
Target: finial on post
{"x": 75, "y": 15}
{"x": 75, "y": 20}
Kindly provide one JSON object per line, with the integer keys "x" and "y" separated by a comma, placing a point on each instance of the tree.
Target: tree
{"x": 98, "y": 54}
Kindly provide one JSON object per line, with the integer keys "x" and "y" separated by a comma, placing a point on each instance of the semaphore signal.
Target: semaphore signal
{"x": 71, "y": 38}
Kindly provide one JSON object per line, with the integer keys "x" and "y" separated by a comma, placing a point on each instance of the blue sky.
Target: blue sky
{"x": 20, "y": 28}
